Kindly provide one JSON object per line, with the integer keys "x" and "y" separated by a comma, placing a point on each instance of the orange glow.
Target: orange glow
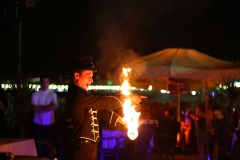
{"x": 130, "y": 114}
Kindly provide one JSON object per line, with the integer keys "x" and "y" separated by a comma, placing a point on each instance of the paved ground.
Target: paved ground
{"x": 187, "y": 157}
{"x": 177, "y": 157}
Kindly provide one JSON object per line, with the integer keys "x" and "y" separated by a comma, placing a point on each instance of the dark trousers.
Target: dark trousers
{"x": 80, "y": 150}
{"x": 3, "y": 125}
{"x": 43, "y": 133}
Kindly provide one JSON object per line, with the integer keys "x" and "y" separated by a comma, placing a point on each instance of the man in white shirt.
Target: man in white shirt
{"x": 44, "y": 102}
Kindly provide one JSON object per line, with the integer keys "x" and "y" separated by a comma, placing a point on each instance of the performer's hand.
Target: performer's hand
{"x": 120, "y": 120}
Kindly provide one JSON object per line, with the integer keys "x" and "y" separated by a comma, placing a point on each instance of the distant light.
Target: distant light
{"x": 64, "y": 88}
{"x": 109, "y": 82}
{"x": 150, "y": 88}
{"x": 133, "y": 88}
{"x": 164, "y": 91}
{"x": 60, "y": 88}
{"x": 237, "y": 84}
{"x": 194, "y": 92}
{"x": 213, "y": 94}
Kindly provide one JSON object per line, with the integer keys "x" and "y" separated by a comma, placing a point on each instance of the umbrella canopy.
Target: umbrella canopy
{"x": 189, "y": 64}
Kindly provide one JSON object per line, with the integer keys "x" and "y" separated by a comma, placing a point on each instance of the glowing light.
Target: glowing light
{"x": 150, "y": 88}
{"x": 130, "y": 114}
{"x": 213, "y": 94}
{"x": 164, "y": 91}
{"x": 64, "y": 88}
{"x": 237, "y": 84}
{"x": 194, "y": 92}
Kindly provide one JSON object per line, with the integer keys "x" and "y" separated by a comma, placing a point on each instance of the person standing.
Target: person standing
{"x": 44, "y": 102}
{"x": 3, "y": 106}
{"x": 84, "y": 110}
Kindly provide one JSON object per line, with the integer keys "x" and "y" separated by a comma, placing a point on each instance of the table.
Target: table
{"x": 111, "y": 137}
{"x": 18, "y": 146}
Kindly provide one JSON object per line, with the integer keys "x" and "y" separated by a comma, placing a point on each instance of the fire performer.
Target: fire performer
{"x": 85, "y": 110}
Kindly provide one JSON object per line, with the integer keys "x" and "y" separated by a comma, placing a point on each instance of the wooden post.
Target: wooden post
{"x": 207, "y": 121}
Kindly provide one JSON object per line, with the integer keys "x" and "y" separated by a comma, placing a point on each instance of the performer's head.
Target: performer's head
{"x": 81, "y": 71}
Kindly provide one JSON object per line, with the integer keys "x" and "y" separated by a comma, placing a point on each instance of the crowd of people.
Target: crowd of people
{"x": 164, "y": 113}
{"x": 222, "y": 127}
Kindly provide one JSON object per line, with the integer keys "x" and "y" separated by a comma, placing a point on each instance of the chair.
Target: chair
{"x": 140, "y": 147}
{"x": 165, "y": 141}
{"x": 125, "y": 148}
{"x": 49, "y": 145}
{"x": 143, "y": 141}
{"x": 59, "y": 142}
{"x": 106, "y": 152}
{"x": 164, "y": 144}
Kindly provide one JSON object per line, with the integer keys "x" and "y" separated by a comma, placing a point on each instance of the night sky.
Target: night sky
{"x": 114, "y": 32}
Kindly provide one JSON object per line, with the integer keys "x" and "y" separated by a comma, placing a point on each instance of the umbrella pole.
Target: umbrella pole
{"x": 178, "y": 109}
{"x": 207, "y": 121}
{"x": 178, "y": 116}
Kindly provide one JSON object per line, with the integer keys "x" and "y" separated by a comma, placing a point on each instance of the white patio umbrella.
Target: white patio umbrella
{"x": 155, "y": 69}
{"x": 199, "y": 69}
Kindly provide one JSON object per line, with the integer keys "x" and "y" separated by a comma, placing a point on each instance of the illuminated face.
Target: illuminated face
{"x": 84, "y": 79}
{"x": 44, "y": 84}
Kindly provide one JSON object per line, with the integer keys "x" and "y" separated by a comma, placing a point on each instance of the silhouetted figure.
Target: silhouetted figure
{"x": 3, "y": 106}
{"x": 44, "y": 102}
{"x": 235, "y": 155}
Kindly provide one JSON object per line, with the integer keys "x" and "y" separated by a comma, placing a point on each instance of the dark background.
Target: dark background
{"x": 113, "y": 32}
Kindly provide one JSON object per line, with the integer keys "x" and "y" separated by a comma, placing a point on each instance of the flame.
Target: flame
{"x": 130, "y": 114}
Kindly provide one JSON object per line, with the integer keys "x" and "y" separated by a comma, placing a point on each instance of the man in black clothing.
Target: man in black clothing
{"x": 84, "y": 111}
